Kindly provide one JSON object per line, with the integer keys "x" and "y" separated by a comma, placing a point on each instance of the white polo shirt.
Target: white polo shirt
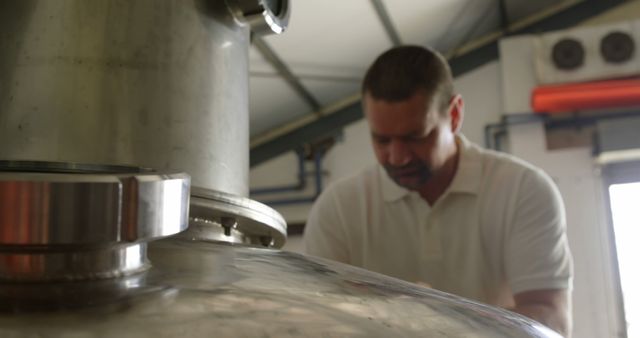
{"x": 499, "y": 228}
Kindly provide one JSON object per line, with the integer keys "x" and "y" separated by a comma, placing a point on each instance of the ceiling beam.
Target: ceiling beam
{"x": 504, "y": 15}
{"x": 283, "y": 70}
{"x": 385, "y": 19}
{"x": 328, "y": 123}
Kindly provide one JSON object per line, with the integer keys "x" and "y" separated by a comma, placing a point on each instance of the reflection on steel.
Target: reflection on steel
{"x": 200, "y": 289}
{"x": 75, "y": 226}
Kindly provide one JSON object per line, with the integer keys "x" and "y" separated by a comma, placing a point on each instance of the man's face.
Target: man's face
{"x": 411, "y": 139}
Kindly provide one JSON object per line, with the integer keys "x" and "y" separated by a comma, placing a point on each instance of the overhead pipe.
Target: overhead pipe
{"x": 493, "y": 133}
{"x": 589, "y": 95}
{"x": 317, "y": 160}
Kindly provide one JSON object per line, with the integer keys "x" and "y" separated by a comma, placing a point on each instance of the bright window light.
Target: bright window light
{"x": 625, "y": 209}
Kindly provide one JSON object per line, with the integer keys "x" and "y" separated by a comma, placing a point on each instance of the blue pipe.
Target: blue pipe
{"x": 307, "y": 199}
{"x": 298, "y": 186}
{"x": 499, "y": 130}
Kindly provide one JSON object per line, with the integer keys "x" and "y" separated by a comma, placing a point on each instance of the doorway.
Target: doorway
{"x": 623, "y": 188}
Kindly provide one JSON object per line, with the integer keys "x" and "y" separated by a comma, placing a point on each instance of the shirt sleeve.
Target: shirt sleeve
{"x": 537, "y": 252}
{"x": 324, "y": 234}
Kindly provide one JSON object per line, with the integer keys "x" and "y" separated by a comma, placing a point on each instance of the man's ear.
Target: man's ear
{"x": 456, "y": 112}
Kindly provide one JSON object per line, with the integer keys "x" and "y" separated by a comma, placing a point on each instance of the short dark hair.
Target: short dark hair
{"x": 400, "y": 72}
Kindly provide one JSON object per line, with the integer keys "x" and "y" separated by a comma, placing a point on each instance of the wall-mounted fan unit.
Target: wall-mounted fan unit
{"x": 589, "y": 53}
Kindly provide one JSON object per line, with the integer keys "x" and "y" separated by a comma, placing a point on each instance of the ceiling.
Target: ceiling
{"x": 323, "y": 55}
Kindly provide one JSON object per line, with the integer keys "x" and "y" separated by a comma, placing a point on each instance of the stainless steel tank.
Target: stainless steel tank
{"x": 73, "y": 263}
{"x": 152, "y": 83}
{"x": 140, "y": 90}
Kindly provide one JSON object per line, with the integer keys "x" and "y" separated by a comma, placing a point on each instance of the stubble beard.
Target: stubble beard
{"x": 412, "y": 176}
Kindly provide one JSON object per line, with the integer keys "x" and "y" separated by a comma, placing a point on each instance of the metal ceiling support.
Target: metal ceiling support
{"x": 284, "y": 71}
{"x": 462, "y": 61}
{"x": 504, "y": 15}
{"x": 319, "y": 128}
{"x": 311, "y": 77}
{"x": 470, "y": 32}
{"x": 385, "y": 19}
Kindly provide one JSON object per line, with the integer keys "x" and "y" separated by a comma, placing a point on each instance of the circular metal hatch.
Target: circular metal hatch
{"x": 216, "y": 215}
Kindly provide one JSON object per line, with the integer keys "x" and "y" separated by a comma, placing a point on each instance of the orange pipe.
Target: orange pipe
{"x": 584, "y": 96}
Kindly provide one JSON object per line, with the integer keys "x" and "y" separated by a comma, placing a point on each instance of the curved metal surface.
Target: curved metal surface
{"x": 221, "y": 216}
{"x": 64, "y": 263}
{"x": 57, "y": 226}
{"x": 200, "y": 289}
{"x": 90, "y": 209}
{"x": 161, "y": 84}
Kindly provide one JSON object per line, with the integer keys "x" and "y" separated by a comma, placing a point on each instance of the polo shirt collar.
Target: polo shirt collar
{"x": 466, "y": 179}
{"x": 469, "y": 173}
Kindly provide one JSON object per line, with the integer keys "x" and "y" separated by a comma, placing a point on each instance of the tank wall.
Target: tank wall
{"x": 154, "y": 83}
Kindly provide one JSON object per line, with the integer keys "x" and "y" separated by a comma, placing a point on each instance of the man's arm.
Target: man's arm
{"x": 538, "y": 260}
{"x": 324, "y": 234}
{"x": 549, "y": 307}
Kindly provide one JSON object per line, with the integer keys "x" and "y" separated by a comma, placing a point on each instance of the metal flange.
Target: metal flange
{"x": 216, "y": 215}
{"x": 71, "y": 221}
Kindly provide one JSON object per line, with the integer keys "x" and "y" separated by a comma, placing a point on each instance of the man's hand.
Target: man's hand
{"x": 549, "y": 307}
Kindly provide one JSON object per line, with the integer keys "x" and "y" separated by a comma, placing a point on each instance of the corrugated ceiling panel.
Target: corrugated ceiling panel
{"x": 330, "y": 43}
{"x": 328, "y": 46}
{"x": 424, "y": 22}
{"x": 519, "y": 9}
{"x": 443, "y": 24}
{"x": 272, "y": 103}
{"x": 328, "y": 92}
{"x": 329, "y": 37}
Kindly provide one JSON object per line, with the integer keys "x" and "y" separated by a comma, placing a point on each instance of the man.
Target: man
{"x": 441, "y": 211}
